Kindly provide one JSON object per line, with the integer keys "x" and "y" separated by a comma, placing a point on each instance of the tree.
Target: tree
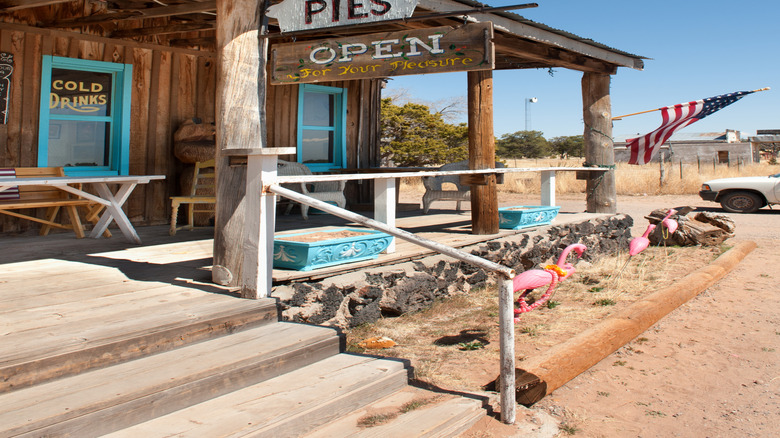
{"x": 412, "y": 136}
{"x": 568, "y": 146}
{"x": 523, "y": 144}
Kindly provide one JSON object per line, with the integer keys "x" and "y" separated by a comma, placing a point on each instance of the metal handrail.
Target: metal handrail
{"x": 506, "y": 289}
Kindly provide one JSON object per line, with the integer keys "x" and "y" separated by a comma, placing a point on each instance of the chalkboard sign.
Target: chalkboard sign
{"x": 6, "y": 68}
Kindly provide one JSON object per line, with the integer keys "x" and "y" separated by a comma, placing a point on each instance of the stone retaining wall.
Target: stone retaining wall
{"x": 360, "y": 297}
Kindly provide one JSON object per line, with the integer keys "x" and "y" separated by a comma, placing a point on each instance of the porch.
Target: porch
{"x": 76, "y": 310}
{"x": 194, "y": 247}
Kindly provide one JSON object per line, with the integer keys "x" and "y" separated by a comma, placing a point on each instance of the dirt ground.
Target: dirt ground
{"x": 708, "y": 369}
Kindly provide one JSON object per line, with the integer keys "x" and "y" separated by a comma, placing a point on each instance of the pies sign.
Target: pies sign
{"x": 297, "y": 15}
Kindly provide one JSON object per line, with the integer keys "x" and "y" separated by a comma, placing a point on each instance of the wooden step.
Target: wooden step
{"x": 109, "y": 399}
{"x": 411, "y": 413}
{"x": 287, "y": 406}
{"x": 62, "y": 340}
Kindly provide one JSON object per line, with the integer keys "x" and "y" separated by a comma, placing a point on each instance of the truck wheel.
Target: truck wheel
{"x": 741, "y": 202}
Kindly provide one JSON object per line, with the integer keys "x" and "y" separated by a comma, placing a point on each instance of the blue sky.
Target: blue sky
{"x": 699, "y": 48}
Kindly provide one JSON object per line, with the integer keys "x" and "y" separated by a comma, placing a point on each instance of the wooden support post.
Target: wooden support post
{"x": 548, "y": 187}
{"x": 384, "y": 205}
{"x": 482, "y": 151}
{"x": 258, "y": 239}
{"x": 240, "y": 125}
{"x": 599, "y": 149}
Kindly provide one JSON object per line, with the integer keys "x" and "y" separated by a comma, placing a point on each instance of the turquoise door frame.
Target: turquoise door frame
{"x": 337, "y": 128}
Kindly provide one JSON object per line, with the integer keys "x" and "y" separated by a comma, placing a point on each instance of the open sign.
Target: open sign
{"x": 419, "y": 51}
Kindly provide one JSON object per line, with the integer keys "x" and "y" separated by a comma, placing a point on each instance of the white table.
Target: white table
{"x": 112, "y": 201}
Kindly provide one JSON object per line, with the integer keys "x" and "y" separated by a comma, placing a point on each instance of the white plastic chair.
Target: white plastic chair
{"x": 325, "y": 191}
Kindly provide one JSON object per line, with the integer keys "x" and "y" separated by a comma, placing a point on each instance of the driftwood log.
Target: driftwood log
{"x": 695, "y": 228}
{"x": 541, "y": 375}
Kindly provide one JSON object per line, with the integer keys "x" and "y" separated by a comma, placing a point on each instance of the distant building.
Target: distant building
{"x": 767, "y": 142}
{"x": 722, "y": 147}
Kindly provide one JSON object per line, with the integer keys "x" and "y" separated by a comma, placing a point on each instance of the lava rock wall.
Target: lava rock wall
{"x": 364, "y": 296}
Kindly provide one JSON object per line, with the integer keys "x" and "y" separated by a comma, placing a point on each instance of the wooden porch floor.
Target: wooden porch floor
{"x": 185, "y": 259}
{"x": 67, "y": 304}
{"x": 56, "y": 279}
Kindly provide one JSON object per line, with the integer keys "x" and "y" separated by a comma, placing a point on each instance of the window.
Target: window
{"x": 85, "y": 116}
{"x": 321, "y": 127}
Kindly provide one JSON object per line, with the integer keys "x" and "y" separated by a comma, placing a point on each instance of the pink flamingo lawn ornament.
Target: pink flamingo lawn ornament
{"x": 670, "y": 224}
{"x": 552, "y": 274}
{"x": 637, "y": 245}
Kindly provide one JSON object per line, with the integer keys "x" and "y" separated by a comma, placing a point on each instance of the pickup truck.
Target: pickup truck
{"x": 743, "y": 194}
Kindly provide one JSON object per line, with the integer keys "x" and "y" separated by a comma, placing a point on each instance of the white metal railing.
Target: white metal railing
{"x": 505, "y": 299}
{"x": 262, "y": 177}
{"x": 547, "y": 175}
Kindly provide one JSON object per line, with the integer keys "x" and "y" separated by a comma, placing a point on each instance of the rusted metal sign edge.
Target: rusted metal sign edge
{"x": 419, "y": 51}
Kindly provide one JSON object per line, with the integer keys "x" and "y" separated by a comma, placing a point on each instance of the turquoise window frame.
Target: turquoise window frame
{"x": 339, "y": 127}
{"x": 121, "y": 90}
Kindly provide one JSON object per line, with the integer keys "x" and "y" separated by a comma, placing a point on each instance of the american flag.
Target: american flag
{"x": 676, "y": 117}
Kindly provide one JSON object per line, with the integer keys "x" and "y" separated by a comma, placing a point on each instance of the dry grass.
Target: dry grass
{"x": 430, "y": 339}
{"x": 629, "y": 180}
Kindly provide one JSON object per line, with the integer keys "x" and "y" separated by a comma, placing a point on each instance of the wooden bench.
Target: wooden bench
{"x": 49, "y": 197}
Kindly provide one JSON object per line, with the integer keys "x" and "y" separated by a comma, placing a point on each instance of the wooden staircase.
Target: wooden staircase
{"x": 200, "y": 365}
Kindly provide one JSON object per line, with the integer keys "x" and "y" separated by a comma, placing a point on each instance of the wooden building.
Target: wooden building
{"x": 160, "y": 60}
{"x": 99, "y": 87}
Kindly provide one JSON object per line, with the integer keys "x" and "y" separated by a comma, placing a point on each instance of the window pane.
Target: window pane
{"x": 318, "y": 109}
{"x": 75, "y": 143}
{"x": 76, "y": 92}
{"x": 317, "y": 146}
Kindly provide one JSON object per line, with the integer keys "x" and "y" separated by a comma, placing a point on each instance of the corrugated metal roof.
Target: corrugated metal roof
{"x": 681, "y": 137}
{"x": 520, "y": 19}
{"x": 765, "y": 139}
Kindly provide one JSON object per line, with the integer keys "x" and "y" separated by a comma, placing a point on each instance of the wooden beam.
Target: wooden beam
{"x": 552, "y": 56}
{"x": 139, "y": 14}
{"x": 240, "y": 125}
{"x": 52, "y": 33}
{"x": 482, "y": 151}
{"x": 599, "y": 148}
{"x": 93, "y": 19}
{"x": 522, "y": 28}
{"x": 544, "y": 373}
{"x": 190, "y": 42}
{"x": 163, "y": 30}
{"x": 15, "y": 5}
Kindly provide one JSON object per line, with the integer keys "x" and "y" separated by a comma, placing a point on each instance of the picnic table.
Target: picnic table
{"x": 112, "y": 201}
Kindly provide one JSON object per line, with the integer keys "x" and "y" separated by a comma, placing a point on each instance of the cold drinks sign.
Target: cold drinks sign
{"x": 296, "y": 15}
{"x": 432, "y": 50}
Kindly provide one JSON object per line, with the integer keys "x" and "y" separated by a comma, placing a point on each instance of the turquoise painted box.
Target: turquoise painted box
{"x": 319, "y": 249}
{"x": 526, "y": 216}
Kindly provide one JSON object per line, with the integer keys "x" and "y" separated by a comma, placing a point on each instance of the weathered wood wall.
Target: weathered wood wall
{"x": 363, "y": 131}
{"x": 169, "y": 86}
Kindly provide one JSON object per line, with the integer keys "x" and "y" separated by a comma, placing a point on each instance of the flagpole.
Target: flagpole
{"x": 659, "y": 109}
